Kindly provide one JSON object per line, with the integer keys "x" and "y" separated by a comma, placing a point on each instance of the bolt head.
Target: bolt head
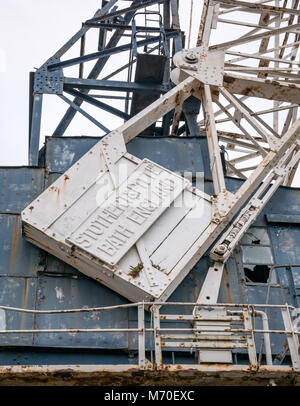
{"x": 191, "y": 57}
{"x": 221, "y": 249}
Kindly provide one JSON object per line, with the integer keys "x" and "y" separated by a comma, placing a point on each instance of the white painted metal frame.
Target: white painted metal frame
{"x": 265, "y": 58}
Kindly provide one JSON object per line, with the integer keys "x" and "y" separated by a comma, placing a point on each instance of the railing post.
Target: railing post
{"x": 250, "y": 338}
{"x": 292, "y": 338}
{"x": 157, "y": 338}
{"x": 141, "y": 336}
{"x": 266, "y": 336}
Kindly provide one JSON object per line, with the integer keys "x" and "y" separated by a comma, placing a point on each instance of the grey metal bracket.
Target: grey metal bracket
{"x": 49, "y": 82}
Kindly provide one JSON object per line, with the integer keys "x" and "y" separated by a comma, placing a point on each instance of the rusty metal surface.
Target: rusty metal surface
{"x": 19, "y": 292}
{"x": 263, "y": 88}
{"x": 18, "y": 257}
{"x": 124, "y": 375}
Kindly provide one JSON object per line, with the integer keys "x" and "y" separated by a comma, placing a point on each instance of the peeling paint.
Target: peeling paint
{"x": 59, "y": 294}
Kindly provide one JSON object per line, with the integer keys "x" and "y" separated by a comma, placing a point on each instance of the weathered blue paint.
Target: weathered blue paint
{"x": 286, "y": 240}
{"x": 18, "y": 187}
{"x": 283, "y": 218}
{"x": 35, "y": 129}
{"x": 61, "y": 153}
{"x": 177, "y": 154}
{"x": 110, "y": 51}
{"x": 57, "y": 356}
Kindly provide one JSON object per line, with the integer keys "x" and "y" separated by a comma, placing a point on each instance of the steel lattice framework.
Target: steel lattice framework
{"x": 149, "y": 26}
{"x": 261, "y": 66}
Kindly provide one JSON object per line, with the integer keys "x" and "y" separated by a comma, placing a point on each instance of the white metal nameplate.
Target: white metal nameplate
{"x": 120, "y": 221}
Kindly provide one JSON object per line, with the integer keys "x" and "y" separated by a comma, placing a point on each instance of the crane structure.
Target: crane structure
{"x": 132, "y": 224}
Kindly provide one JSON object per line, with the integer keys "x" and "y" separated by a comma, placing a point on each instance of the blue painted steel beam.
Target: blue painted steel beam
{"x": 82, "y": 52}
{"x": 113, "y": 85}
{"x": 99, "y": 104}
{"x": 31, "y": 91}
{"x": 191, "y": 120}
{"x": 35, "y": 119}
{"x": 34, "y": 139}
{"x": 94, "y": 73}
{"x": 101, "y": 96}
{"x": 102, "y": 33}
{"x": 128, "y": 28}
{"x": 109, "y": 51}
{"x": 84, "y": 113}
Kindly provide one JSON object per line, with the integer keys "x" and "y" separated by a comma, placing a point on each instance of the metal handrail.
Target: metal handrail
{"x": 146, "y": 304}
{"x": 157, "y": 331}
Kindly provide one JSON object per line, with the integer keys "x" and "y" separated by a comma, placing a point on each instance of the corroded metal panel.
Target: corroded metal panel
{"x": 61, "y": 153}
{"x": 52, "y": 219}
{"x": 176, "y": 154}
{"x": 181, "y": 155}
{"x": 18, "y": 187}
{"x": 75, "y": 292}
{"x": 17, "y": 292}
{"x": 18, "y": 257}
{"x": 56, "y": 356}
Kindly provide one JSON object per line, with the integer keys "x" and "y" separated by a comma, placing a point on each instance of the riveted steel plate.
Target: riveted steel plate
{"x": 208, "y": 66}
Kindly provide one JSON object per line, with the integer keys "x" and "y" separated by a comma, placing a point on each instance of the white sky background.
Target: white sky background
{"x": 32, "y": 31}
